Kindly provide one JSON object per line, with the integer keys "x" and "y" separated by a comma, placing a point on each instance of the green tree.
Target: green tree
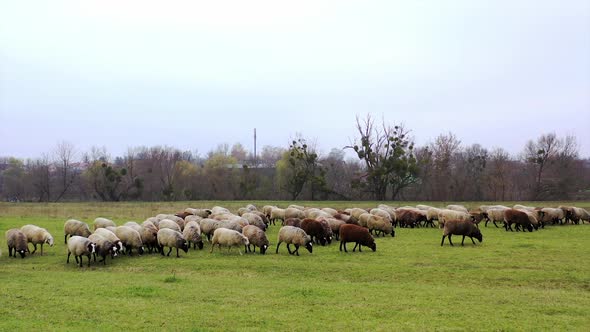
{"x": 298, "y": 167}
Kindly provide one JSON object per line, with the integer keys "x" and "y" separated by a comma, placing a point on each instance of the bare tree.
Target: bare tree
{"x": 443, "y": 150}
{"x": 39, "y": 171}
{"x": 64, "y": 155}
{"x": 498, "y": 172}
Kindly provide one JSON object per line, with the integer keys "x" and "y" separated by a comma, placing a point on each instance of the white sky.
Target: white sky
{"x": 194, "y": 74}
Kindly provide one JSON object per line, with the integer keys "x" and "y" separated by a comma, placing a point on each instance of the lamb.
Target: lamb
{"x": 167, "y": 223}
{"x": 111, "y": 236}
{"x": 382, "y": 225}
{"x": 17, "y": 240}
{"x": 104, "y": 247}
{"x": 80, "y": 246}
{"x": 256, "y": 238}
{"x": 172, "y": 239}
{"x": 296, "y": 236}
{"x": 357, "y": 234}
{"x": 514, "y": 216}
{"x": 37, "y": 235}
{"x": 276, "y": 214}
{"x": 316, "y": 231}
{"x": 192, "y": 233}
{"x": 130, "y": 238}
{"x": 459, "y": 208}
{"x": 103, "y": 222}
{"x": 461, "y": 227}
{"x": 75, "y": 227}
{"x": 229, "y": 238}
{"x": 477, "y": 216}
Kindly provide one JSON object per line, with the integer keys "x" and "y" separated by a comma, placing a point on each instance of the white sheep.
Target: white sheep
{"x": 130, "y": 238}
{"x": 455, "y": 207}
{"x": 277, "y": 214}
{"x": 111, "y": 236}
{"x": 203, "y": 213}
{"x": 254, "y": 219}
{"x": 229, "y": 238}
{"x": 380, "y": 224}
{"x": 330, "y": 211}
{"x": 219, "y": 210}
{"x": 80, "y": 246}
{"x": 103, "y": 222}
{"x": 148, "y": 233}
{"x": 75, "y": 227}
{"x": 37, "y": 235}
{"x": 296, "y": 236}
{"x": 494, "y": 215}
{"x": 167, "y": 223}
{"x": 173, "y": 239}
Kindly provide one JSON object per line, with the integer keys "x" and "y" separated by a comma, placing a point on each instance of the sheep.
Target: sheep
{"x": 130, "y": 238}
{"x": 460, "y": 227}
{"x": 296, "y": 222}
{"x": 382, "y": 225}
{"x": 298, "y": 207}
{"x": 355, "y": 213}
{"x": 296, "y": 236}
{"x": 208, "y": 227}
{"x": 37, "y": 235}
{"x": 229, "y": 238}
{"x": 242, "y": 211}
{"x": 111, "y": 236}
{"x": 219, "y": 210}
{"x": 447, "y": 214}
{"x": 254, "y": 219}
{"x": 173, "y": 239}
{"x": 148, "y": 234}
{"x": 335, "y": 225}
{"x": 183, "y": 214}
{"x": 513, "y": 216}
{"x": 495, "y": 214}
{"x": 409, "y": 218}
{"x": 103, "y": 222}
{"x": 477, "y": 216}
{"x": 256, "y": 238}
{"x": 357, "y": 234}
{"x": 167, "y": 223}
{"x": 267, "y": 210}
{"x": 552, "y": 215}
{"x": 460, "y": 208}
{"x": 251, "y": 207}
{"x": 327, "y": 229}
{"x": 192, "y": 218}
{"x": 192, "y": 233}
{"x": 568, "y": 211}
{"x": 316, "y": 214}
{"x": 294, "y": 213}
{"x": 316, "y": 231}
{"x": 276, "y": 214}
{"x": 203, "y": 213}
{"x": 382, "y": 213}
{"x": 330, "y": 211}
{"x": 533, "y": 218}
{"x": 75, "y": 227}
{"x": 17, "y": 240}
{"x": 423, "y": 207}
{"x": 104, "y": 247}
{"x": 582, "y": 214}
{"x": 80, "y": 246}
{"x": 263, "y": 217}
{"x": 432, "y": 215}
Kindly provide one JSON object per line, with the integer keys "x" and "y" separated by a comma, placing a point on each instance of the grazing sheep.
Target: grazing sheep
{"x": 568, "y": 212}
{"x": 263, "y": 217}
{"x": 254, "y": 219}
{"x": 477, "y": 216}
{"x": 103, "y": 222}
{"x": 148, "y": 234}
{"x": 173, "y": 239}
{"x": 242, "y": 211}
{"x": 267, "y": 210}
{"x": 256, "y": 238}
{"x": 192, "y": 218}
{"x": 229, "y": 238}
{"x": 382, "y": 213}
{"x": 551, "y": 215}
{"x": 316, "y": 214}
{"x": 298, "y": 207}
{"x": 357, "y": 234}
{"x": 366, "y": 217}
{"x": 183, "y": 214}
{"x": 295, "y": 222}
{"x": 80, "y": 246}
{"x": 514, "y": 216}
{"x": 219, "y": 210}
{"x": 203, "y": 213}
{"x": 432, "y": 215}
{"x": 390, "y": 210}
{"x": 75, "y": 227}
{"x": 316, "y": 230}
{"x": 276, "y": 214}
{"x": 17, "y": 240}
{"x": 459, "y": 208}
{"x": 494, "y": 215}
{"x": 355, "y": 213}
{"x": 104, "y": 247}
{"x": 111, "y": 236}
{"x": 582, "y": 214}
{"x": 130, "y": 238}
{"x": 167, "y": 223}
{"x": 37, "y": 235}
{"x": 446, "y": 214}
{"x": 423, "y": 207}
{"x": 192, "y": 233}
{"x": 208, "y": 226}
{"x": 461, "y": 227}
{"x": 335, "y": 226}
{"x": 532, "y": 218}
{"x": 330, "y": 211}
{"x": 382, "y": 225}
{"x": 251, "y": 207}
{"x": 296, "y": 236}
{"x": 409, "y": 218}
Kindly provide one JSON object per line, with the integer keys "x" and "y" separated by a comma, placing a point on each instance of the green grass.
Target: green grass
{"x": 512, "y": 281}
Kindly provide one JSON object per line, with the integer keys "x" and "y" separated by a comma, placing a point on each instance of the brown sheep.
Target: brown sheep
{"x": 520, "y": 218}
{"x": 409, "y": 218}
{"x": 295, "y": 222}
{"x": 316, "y": 230}
{"x": 461, "y": 227}
{"x": 357, "y": 234}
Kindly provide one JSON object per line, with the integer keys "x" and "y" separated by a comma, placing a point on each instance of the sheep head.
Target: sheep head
{"x": 263, "y": 249}
{"x": 476, "y": 233}
{"x": 309, "y": 246}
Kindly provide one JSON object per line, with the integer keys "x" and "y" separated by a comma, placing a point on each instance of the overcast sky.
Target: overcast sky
{"x": 194, "y": 74}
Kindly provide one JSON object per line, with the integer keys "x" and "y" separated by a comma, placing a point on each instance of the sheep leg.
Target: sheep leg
{"x": 355, "y": 245}
{"x": 360, "y": 247}
{"x": 289, "y": 249}
{"x": 472, "y": 240}
{"x": 94, "y": 254}
{"x": 487, "y": 223}
{"x": 68, "y": 261}
{"x": 177, "y": 253}
{"x": 495, "y": 224}
{"x": 66, "y": 239}
{"x": 463, "y": 241}
{"x": 76, "y": 257}
{"x": 296, "y": 250}
{"x": 41, "y": 249}
{"x": 169, "y": 251}
{"x": 162, "y": 251}
{"x": 278, "y": 245}
{"x": 443, "y": 240}
{"x": 34, "y": 246}
{"x": 451, "y": 242}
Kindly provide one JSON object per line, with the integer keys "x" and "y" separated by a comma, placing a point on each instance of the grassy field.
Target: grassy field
{"x": 512, "y": 281}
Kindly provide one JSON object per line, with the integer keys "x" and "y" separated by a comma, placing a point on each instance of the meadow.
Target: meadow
{"x": 511, "y": 281}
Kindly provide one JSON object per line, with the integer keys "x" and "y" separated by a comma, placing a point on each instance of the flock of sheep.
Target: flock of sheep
{"x": 301, "y": 227}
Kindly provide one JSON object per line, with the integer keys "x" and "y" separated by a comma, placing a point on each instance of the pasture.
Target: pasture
{"x": 511, "y": 281}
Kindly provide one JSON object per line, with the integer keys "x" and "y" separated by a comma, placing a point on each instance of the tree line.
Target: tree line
{"x": 387, "y": 165}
